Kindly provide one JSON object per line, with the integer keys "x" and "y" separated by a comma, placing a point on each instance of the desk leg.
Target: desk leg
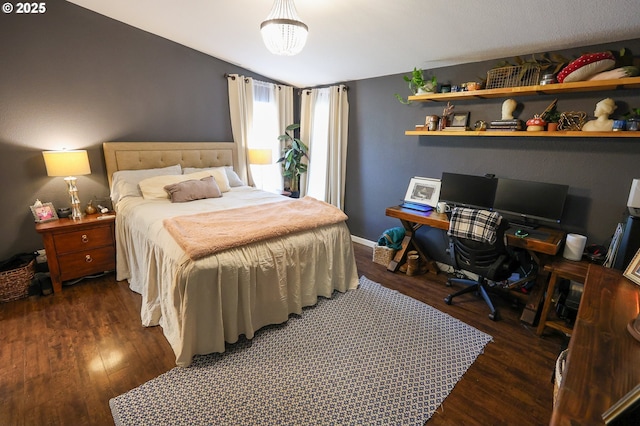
{"x": 530, "y": 311}
{"x": 547, "y": 302}
{"x": 401, "y": 255}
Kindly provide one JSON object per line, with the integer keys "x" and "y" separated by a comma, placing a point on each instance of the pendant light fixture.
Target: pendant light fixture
{"x": 283, "y": 32}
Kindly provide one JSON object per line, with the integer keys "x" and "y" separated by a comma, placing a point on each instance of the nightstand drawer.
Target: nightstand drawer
{"x": 87, "y": 262}
{"x": 69, "y": 242}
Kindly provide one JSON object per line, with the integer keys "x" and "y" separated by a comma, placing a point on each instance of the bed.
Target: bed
{"x": 203, "y": 302}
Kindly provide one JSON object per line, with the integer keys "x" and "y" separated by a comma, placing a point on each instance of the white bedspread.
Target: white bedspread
{"x": 201, "y": 304}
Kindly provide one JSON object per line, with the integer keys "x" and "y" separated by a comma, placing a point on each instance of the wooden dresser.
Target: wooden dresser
{"x": 77, "y": 248}
{"x": 603, "y": 361}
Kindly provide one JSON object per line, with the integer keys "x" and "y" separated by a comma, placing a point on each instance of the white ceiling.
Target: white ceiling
{"x": 357, "y": 39}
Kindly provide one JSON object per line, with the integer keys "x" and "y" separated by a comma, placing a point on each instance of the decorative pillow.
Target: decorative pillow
{"x": 153, "y": 188}
{"x": 191, "y": 190}
{"x": 586, "y": 66}
{"x": 125, "y": 182}
{"x": 232, "y": 176}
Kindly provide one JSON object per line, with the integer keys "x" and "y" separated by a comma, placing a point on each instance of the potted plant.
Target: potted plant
{"x": 292, "y": 166}
{"x": 418, "y": 84}
{"x": 633, "y": 119}
{"x": 551, "y": 116}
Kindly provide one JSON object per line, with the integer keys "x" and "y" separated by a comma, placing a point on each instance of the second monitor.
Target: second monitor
{"x": 530, "y": 201}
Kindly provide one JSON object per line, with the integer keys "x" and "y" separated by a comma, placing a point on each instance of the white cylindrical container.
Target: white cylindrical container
{"x": 574, "y": 246}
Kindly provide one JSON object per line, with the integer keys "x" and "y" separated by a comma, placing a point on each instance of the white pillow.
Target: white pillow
{"x": 232, "y": 176}
{"x": 153, "y": 188}
{"x": 124, "y": 183}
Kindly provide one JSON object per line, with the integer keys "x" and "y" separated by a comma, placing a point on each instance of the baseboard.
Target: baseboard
{"x": 363, "y": 241}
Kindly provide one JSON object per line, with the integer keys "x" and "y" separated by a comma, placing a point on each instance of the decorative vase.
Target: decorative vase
{"x": 90, "y": 209}
{"x": 633, "y": 124}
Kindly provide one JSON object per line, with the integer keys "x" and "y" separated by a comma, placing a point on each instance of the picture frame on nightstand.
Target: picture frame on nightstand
{"x": 43, "y": 212}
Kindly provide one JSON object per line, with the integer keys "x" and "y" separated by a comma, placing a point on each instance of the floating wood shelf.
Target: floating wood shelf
{"x": 541, "y": 134}
{"x": 547, "y": 89}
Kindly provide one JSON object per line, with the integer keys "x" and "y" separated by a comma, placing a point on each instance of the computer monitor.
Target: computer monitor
{"x": 530, "y": 201}
{"x": 467, "y": 190}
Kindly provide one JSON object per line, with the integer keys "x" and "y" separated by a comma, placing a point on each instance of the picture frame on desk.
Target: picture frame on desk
{"x": 425, "y": 191}
{"x": 633, "y": 269}
{"x": 43, "y": 212}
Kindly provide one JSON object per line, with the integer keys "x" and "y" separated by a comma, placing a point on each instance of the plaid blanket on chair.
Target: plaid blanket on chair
{"x": 477, "y": 225}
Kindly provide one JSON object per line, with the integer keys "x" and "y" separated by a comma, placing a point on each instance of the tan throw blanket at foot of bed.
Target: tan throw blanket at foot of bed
{"x": 203, "y": 234}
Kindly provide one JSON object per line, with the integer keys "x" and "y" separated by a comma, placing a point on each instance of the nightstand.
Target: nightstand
{"x": 77, "y": 248}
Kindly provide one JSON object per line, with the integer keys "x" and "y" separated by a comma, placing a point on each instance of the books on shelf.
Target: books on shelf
{"x": 499, "y": 125}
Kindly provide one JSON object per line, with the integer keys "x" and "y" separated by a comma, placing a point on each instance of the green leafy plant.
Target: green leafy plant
{"x": 633, "y": 113}
{"x": 418, "y": 83}
{"x": 295, "y": 150}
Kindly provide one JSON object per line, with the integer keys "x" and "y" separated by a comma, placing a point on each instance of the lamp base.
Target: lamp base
{"x": 76, "y": 213}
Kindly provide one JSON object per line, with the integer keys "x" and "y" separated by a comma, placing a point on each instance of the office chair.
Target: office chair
{"x": 476, "y": 244}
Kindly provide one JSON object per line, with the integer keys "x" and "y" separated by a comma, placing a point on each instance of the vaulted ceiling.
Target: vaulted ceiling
{"x": 358, "y": 39}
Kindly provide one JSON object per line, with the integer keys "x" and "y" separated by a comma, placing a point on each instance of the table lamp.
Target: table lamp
{"x": 260, "y": 157}
{"x": 68, "y": 163}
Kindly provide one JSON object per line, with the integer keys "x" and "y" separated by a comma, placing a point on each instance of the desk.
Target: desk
{"x": 541, "y": 245}
{"x": 561, "y": 268}
{"x": 603, "y": 362}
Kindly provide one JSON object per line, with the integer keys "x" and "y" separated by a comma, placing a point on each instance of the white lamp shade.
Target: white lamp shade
{"x": 67, "y": 163}
{"x": 283, "y": 32}
{"x": 260, "y": 156}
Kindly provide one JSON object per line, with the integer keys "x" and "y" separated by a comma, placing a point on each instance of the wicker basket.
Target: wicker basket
{"x": 382, "y": 255}
{"x": 14, "y": 283}
{"x": 514, "y": 76}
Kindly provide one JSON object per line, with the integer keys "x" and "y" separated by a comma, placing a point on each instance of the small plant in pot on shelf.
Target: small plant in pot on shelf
{"x": 292, "y": 166}
{"x": 551, "y": 116}
{"x": 633, "y": 119}
{"x": 418, "y": 84}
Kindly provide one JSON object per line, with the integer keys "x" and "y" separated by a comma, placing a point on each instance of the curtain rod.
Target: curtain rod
{"x": 300, "y": 91}
{"x": 308, "y": 91}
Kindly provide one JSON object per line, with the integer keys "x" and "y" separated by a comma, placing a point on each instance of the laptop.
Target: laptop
{"x": 422, "y": 194}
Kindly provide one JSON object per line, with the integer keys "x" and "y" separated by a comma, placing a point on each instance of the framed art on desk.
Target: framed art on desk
{"x": 633, "y": 270}
{"x": 424, "y": 191}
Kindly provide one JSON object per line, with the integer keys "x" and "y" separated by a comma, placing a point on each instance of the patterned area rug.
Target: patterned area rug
{"x": 369, "y": 356}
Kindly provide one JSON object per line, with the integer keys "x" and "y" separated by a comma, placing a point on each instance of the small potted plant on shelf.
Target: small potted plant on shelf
{"x": 418, "y": 84}
{"x": 292, "y": 166}
{"x": 551, "y": 116}
{"x": 633, "y": 119}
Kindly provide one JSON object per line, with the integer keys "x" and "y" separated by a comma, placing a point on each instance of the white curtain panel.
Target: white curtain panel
{"x": 324, "y": 124}
{"x": 244, "y": 92}
{"x": 241, "y": 111}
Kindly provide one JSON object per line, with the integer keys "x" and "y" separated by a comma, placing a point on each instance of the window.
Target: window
{"x": 265, "y": 136}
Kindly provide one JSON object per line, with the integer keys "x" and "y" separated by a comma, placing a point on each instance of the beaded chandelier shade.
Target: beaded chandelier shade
{"x": 283, "y": 32}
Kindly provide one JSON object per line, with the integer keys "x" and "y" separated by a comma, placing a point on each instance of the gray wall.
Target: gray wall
{"x": 381, "y": 159}
{"x": 72, "y": 78}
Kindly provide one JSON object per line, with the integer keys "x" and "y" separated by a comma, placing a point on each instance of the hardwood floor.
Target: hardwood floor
{"x": 64, "y": 356}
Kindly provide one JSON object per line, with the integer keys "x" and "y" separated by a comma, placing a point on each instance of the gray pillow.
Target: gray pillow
{"x": 193, "y": 190}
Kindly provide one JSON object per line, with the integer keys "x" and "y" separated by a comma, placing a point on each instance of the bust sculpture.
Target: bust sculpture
{"x": 508, "y": 107}
{"x": 602, "y": 123}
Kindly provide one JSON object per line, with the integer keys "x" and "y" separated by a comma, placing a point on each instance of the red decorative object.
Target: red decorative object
{"x": 535, "y": 124}
{"x": 586, "y": 66}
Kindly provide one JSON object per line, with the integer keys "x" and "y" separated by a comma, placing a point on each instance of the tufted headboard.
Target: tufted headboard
{"x": 151, "y": 155}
